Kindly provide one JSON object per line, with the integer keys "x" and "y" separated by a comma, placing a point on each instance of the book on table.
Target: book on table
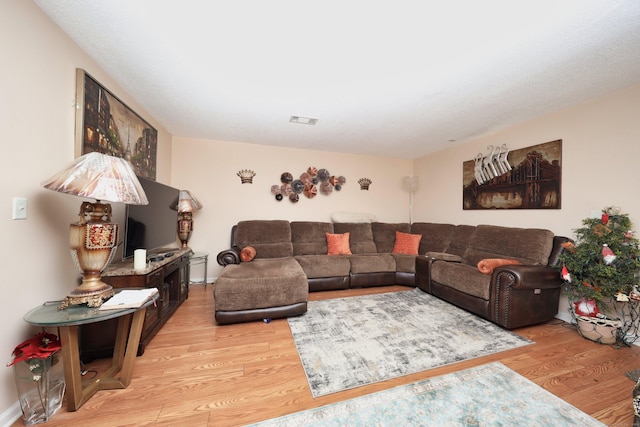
{"x": 129, "y": 298}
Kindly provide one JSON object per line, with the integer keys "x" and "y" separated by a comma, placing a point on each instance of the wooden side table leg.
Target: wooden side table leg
{"x": 71, "y": 362}
{"x": 120, "y": 345}
{"x": 132, "y": 346}
{"x": 125, "y": 352}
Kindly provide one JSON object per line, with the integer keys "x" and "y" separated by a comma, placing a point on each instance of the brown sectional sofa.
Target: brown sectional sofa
{"x": 512, "y": 296}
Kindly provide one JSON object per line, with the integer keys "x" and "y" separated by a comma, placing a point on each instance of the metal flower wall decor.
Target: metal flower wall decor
{"x": 309, "y": 184}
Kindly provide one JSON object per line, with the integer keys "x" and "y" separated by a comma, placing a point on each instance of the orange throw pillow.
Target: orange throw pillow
{"x": 486, "y": 266}
{"x": 247, "y": 253}
{"x": 406, "y": 243}
{"x": 338, "y": 244}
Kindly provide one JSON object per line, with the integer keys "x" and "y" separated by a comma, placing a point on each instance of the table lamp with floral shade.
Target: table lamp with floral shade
{"x": 94, "y": 238}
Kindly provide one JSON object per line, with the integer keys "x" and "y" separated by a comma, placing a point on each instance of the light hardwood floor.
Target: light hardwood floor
{"x": 195, "y": 373}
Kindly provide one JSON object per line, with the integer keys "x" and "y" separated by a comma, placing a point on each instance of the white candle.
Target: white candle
{"x": 139, "y": 259}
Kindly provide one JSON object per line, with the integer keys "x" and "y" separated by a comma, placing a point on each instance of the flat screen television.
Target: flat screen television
{"x": 154, "y": 225}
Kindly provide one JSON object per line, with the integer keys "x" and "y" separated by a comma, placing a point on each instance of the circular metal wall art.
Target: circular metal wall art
{"x": 310, "y": 183}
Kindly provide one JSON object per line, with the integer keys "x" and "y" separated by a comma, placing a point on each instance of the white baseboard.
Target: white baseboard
{"x": 564, "y": 316}
{"x": 11, "y": 415}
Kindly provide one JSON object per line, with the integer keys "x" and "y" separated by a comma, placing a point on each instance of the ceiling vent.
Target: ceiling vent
{"x": 303, "y": 120}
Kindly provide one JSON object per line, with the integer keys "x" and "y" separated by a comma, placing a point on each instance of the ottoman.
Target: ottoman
{"x": 261, "y": 289}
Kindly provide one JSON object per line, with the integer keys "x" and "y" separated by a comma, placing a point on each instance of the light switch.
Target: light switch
{"x": 19, "y": 208}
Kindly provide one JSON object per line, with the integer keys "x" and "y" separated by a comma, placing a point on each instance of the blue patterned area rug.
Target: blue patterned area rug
{"x": 487, "y": 395}
{"x": 349, "y": 342}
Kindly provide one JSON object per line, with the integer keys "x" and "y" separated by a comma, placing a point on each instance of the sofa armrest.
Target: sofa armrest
{"x": 443, "y": 256}
{"x": 528, "y": 276}
{"x": 423, "y": 267}
{"x": 523, "y": 295}
{"x": 229, "y": 256}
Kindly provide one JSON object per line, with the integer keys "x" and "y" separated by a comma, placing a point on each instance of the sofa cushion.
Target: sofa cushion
{"x": 360, "y": 238}
{"x": 317, "y": 266}
{"x": 527, "y": 245}
{"x": 372, "y": 263}
{"x": 270, "y": 238}
{"x": 405, "y": 263}
{"x": 384, "y": 234}
{"x": 338, "y": 244}
{"x": 248, "y": 253}
{"x": 406, "y": 243}
{"x": 461, "y": 277}
{"x": 435, "y": 237}
{"x": 460, "y": 238}
{"x": 487, "y": 265}
{"x": 308, "y": 237}
{"x": 262, "y": 283}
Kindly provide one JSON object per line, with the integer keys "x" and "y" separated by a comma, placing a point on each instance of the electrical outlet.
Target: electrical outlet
{"x": 19, "y": 208}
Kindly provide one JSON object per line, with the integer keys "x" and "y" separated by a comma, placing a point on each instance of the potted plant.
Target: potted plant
{"x": 600, "y": 273}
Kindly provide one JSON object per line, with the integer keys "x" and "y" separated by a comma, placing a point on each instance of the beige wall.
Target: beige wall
{"x": 37, "y": 91}
{"x": 208, "y": 169}
{"x": 600, "y": 153}
{"x": 601, "y": 150}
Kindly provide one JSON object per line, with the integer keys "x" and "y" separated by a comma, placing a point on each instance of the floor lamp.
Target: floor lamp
{"x": 410, "y": 183}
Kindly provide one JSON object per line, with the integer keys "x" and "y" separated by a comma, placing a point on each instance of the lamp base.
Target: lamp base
{"x": 93, "y": 297}
{"x": 185, "y": 227}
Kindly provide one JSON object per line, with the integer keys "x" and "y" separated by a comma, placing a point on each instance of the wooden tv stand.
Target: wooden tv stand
{"x": 169, "y": 275}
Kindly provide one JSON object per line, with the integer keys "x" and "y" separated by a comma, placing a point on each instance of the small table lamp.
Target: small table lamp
{"x": 94, "y": 237}
{"x": 186, "y": 205}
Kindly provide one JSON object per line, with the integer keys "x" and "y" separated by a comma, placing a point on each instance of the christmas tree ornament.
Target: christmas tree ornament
{"x": 607, "y": 254}
{"x": 586, "y": 307}
{"x": 605, "y": 218}
{"x": 620, "y": 297}
{"x": 566, "y": 276}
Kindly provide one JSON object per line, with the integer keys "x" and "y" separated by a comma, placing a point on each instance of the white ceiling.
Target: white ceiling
{"x": 391, "y": 78}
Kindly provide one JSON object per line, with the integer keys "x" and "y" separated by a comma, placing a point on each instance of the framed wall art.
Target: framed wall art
{"x": 107, "y": 125}
{"x": 532, "y": 180}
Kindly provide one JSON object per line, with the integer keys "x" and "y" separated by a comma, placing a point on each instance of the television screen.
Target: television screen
{"x": 154, "y": 225}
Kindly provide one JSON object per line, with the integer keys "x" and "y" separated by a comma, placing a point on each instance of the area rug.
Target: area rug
{"x": 633, "y": 375}
{"x": 487, "y": 395}
{"x": 349, "y": 342}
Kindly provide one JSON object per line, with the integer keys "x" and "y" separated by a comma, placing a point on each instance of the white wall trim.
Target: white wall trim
{"x": 11, "y": 415}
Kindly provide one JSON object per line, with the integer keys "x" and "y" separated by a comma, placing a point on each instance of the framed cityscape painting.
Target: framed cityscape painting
{"x": 107, "y": 125}
{"x": 528, "y": 178}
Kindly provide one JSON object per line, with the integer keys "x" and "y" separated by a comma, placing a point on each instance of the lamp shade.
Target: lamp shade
{"x": 410, "y": 183}
{"x": 186, "y": 202}
{"x": 101, "y": 177}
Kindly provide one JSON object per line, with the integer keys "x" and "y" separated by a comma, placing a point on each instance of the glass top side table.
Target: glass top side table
{"x": 118, "y": 376}
{"x": 198, "y": 258}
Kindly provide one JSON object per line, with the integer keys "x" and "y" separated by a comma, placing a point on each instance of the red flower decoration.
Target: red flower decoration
{"x": 41, "y": 346}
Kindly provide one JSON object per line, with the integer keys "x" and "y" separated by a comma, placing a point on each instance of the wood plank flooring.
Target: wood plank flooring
{"x": 195, "y": 373}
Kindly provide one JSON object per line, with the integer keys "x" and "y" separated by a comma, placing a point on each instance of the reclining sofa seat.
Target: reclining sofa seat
{"x": 512, "y": 296}
{"x": 273, "y": 285}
